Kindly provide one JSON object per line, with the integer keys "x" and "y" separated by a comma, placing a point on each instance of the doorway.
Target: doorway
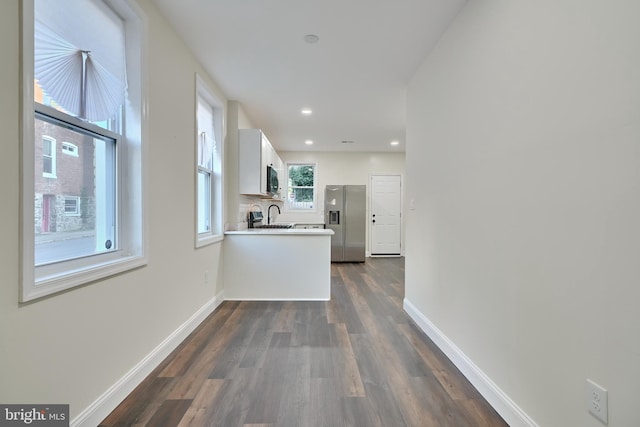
{"x": 385, "y": 222}
{"x": 48, "y": 206}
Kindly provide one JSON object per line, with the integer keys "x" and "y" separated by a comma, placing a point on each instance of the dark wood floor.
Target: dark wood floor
{"x": 357, "y": 360}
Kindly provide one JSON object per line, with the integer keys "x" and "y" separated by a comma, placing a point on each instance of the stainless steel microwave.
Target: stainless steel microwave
{"x": 273, "y": 186}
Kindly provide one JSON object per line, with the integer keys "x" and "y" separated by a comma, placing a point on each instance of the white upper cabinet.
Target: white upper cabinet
{"x": 255, "y": 153}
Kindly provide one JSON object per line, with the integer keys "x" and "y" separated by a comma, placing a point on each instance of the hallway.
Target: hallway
{"x": 356, "y": 360}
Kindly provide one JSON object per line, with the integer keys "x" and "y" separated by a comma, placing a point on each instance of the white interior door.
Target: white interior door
{"x": 386, "y": 215}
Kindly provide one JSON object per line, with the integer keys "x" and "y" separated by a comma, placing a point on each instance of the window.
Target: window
{"x": 70, "y": 149}
{"x": 209, "y": 113}
{"x": 301, "y": 186}
{"x": 72, "y": 205}
{"x": 92, "y": 177}
{"x": 79, "y": 56}
{"x": 48, "y": 157}
{"x": 206, "y": 146}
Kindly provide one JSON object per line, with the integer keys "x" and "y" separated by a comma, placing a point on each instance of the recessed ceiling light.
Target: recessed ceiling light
{"x": 306, "y": 111}
{"x": 308, "y": 142}
{"x": 311, "y": 38}
{"x": 394, "y": 143}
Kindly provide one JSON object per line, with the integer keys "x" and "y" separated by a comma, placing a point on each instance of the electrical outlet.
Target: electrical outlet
{"x": 597, "y": 401}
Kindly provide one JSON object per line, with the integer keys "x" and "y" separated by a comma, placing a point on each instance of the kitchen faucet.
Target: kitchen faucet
{"x": 269, "y": 212}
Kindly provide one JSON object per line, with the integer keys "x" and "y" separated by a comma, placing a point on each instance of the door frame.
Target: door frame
{"x": 370, "y": 209}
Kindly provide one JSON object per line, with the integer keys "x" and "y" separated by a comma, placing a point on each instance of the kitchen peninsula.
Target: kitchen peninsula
{"x": 278, "y": 264}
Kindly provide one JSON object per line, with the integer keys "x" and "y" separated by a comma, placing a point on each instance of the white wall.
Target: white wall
{"x": 72, "y": 347}
{"x": 523, "y": 154}
{"x": 338, "y": 168}
{"x": 236, "y": 203}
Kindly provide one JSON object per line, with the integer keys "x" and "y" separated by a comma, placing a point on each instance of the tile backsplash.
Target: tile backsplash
{"x": 248, "y": 204}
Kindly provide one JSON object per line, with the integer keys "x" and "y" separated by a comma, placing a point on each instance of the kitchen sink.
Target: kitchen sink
{"x": 273, "y": 226}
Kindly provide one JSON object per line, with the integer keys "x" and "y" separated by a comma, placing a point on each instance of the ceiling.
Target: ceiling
{"x": 353, "y": 79}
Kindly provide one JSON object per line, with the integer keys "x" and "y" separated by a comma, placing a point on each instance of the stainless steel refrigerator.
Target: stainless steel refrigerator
{"x": 345, "y": 214}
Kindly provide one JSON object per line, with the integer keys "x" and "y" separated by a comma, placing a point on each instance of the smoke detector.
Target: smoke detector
{"x": 311, "y": 38}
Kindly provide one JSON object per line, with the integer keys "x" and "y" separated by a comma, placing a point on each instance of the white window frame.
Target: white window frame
{"x": 42, "y": 281}
{"x": 287, "y": 205}
{"x": 216, "y": 196}
{"x": 69, "y": 149}
{"x": 51, "y": 174}
{"x": 204, "y": 205}
{"x": 77, "y": 201}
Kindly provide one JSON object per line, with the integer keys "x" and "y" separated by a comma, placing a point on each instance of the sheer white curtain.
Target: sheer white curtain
{"x": 206, "y": 140}
{"x": 79, "y": 57}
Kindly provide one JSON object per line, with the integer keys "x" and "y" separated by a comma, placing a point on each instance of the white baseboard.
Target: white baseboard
{"x": 507, "y": 408}
{"x": 110, "y": 399}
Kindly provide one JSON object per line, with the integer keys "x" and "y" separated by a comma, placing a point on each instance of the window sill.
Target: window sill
{"x": 53, "y": 284}
{"x": 208, "y": 240}
{"x": 301, "y": 211}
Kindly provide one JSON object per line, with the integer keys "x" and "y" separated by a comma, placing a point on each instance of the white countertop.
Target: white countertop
{"x": 283, "y": 266}
{"x": 282, "y": 231}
